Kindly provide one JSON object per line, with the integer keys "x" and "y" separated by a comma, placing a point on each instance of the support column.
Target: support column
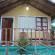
{"x": 35, "y": 44}
{"x": 7, "y": 48}
{"x": 35, "y": 49}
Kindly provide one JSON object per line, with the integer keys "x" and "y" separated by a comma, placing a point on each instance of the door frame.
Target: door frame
{"x": 13, "y": 23}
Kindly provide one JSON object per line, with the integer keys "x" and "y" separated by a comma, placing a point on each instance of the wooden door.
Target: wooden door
{"x": 6, "y": 23}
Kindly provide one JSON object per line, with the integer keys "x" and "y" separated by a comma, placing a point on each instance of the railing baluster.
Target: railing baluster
{"x": 35, "y": 34}
{"x": 10, "y": 36}
{"x": 7, "y": 48}
{"x": 6, "y": 34}
{"x": 14, "y": 36}
{"x": 23, "y": 33}
{"x": 27, "y": 34}
{"x": 47, "y": 35}
{"x": 35, "y": 43}
{"x": 31, "y": 34}
{"x": 1, "y": 36}
{"x": 18, "y": 32}
{"x": 43, "y": 34}
{"x": 39, "y": 34}
{"x": 51, "y": 34}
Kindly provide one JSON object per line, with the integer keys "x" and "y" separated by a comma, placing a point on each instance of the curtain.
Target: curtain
{"x": 26, "y": 22}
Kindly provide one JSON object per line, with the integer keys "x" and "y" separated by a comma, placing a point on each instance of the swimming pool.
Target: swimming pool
{"x": 29, "y": 48}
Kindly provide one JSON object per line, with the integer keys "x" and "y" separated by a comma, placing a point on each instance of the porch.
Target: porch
{"x": 38, "y": 42}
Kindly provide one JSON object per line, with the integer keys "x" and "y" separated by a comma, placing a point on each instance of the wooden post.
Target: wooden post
{"x": 23, "y": 33}
{"x": 31, "y": 34}
{"x": 47, "y": 35}
{"x": 10, "y": 36}
{"x": 7, "y": 48}
{"x": 1, "y": 36}
{"x": 14, "y": 36}
{"x": 35, "y": 34}
{"x": 5, "y": 34}
{"x": 35, "y": 43}
{"x": 43, "y": 34}
{"x": 27, "y": 34}
{"x": 51, "y": 34}
{"x": 39, "y": 34}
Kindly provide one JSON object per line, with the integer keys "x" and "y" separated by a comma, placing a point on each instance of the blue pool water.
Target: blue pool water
{"x": 29, "y": 48}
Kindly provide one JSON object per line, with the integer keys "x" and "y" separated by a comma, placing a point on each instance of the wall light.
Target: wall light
{"x": 27, "y": 7}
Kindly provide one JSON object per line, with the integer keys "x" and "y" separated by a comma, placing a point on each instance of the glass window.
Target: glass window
{"x": 41, "y": 23}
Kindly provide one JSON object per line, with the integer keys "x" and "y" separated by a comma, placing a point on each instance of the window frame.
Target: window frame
{"x": 41, "y": 23}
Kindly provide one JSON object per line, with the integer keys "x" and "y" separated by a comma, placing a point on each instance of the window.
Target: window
{"x": 33, "y": 22}
{"x": 26, "y": 22}
{"x": 41, "y": 23}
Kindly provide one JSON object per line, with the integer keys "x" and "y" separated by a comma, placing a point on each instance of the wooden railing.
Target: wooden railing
{"x": 35, "y": 48}
{"x": 31, "y": 34}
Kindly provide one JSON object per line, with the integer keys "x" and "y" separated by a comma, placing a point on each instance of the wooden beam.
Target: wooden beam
{"x": 45, "y": 4}
{"x": 7, "y": 8}
{"x": 50, "y": 3}
{"x": 9, "y": 4}
{"x": 39, "y": 8}
{"x": 4, "y": 2}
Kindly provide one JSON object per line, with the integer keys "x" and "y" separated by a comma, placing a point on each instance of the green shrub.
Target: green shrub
{"x": 21, "y": 44}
